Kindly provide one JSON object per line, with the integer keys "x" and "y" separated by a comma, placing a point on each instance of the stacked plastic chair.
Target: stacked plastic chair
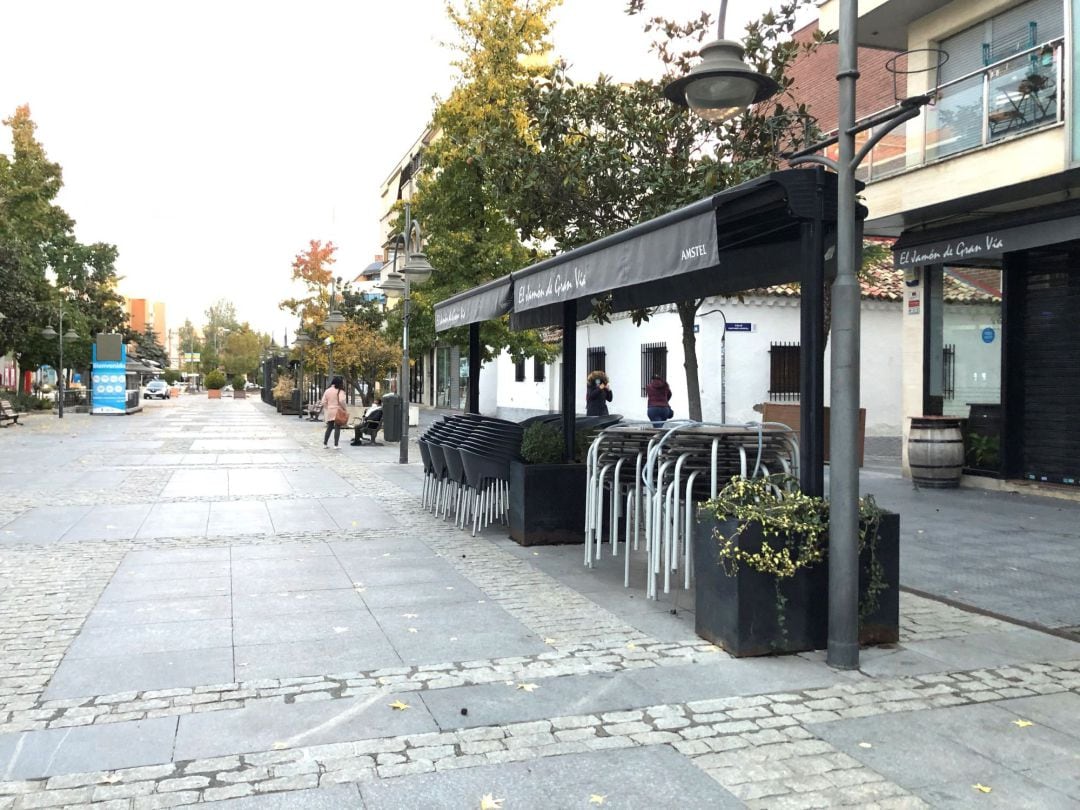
{"x": 467, "y": 467}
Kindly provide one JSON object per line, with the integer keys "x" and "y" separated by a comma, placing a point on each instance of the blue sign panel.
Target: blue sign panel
{"x": 988, "y": 334}
{"x": 739, "y": 327}
{"x": 109, "y": 379}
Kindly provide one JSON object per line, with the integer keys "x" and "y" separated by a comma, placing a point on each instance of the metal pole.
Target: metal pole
{"x": 60, "y": 371}
{"x": 474, "y": 368}
{"x": 330, "y": 354}
{"x": 301, "y": 385}
{"x": 843, "y": 651}
{"x": 403, "y": 387}
{"x": 569, "y": 372}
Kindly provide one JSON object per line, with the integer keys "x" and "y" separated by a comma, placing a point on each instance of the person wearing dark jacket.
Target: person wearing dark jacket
{"x": 597, "y": 396}
{"x": 659, "y": 395}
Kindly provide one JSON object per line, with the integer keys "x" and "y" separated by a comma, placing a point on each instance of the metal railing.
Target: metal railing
{"x": 1011, "y": 97}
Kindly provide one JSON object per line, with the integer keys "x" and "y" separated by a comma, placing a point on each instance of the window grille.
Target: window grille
{"x": 538, "y": 370}
{"x": 595, "y": 359}
{"x": 653, "y": 361}
{"x": 948, "y": 371}
{"x": 519, "y": 370}
{"x": 784, "y": 372}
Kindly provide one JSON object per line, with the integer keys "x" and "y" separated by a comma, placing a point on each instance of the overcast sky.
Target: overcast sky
{"x": 211, "y": 139}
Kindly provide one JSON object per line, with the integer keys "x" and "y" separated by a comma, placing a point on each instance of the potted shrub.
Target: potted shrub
{"x": 172, "y": 376}
{"x": 540, "y": 480}
{"x": 215, "y": 381}
{"x": 760, "y": 564}
{"x": 238, "y": 383}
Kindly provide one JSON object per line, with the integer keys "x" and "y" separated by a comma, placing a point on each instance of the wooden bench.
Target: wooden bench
{"x": 8, "y": 414}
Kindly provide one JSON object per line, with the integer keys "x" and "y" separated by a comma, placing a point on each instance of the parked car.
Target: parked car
{"x": 156, "y": 389}
{"x": 250, "y": 386}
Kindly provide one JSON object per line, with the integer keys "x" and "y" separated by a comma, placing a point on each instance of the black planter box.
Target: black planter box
{"x": 547, "y": 503}
{"x": 740, "y": 613}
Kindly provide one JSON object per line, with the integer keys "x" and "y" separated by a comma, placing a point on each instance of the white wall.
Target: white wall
{"x": 746, "y": 378}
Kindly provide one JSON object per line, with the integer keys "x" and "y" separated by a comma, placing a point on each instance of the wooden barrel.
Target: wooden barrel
{"x": 935, "y": 451}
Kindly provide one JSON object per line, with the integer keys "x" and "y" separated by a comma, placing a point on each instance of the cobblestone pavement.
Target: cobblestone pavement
{"x": 174, "y": 550}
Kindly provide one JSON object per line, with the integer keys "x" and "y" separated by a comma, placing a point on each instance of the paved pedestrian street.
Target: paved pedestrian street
{"x": 201, "y": 604}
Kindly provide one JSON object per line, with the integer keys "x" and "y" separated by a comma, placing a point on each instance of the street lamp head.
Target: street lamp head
{"x": 393, "y": 286}
{"x": 417, "y": 268}
{"x": 301, "y": 339}
{"x": 722, "y": 85}
{"x": 48, "y": 332}
{"x": 71, "y": 336}
{"x": 334, "y": 321}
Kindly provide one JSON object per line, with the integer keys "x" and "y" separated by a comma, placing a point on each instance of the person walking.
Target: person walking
{"x": 333, "y": 403}
{"x": 597, "y": 394}
{"x": 659, "y": 398}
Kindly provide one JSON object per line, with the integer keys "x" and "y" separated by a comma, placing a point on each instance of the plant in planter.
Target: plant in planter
{"x": 283, "y": 391}
{"x": 215, "y": 381}
{"x": 541, "y": 479}
{"x": 238, "y": 383}
{"x": 762, "y": 580}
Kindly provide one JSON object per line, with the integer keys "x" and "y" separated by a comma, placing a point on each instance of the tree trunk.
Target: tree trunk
{"x": 687, "y": 311}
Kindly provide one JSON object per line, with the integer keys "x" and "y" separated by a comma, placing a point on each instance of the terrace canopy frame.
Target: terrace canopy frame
{"x": 776, "y": 229}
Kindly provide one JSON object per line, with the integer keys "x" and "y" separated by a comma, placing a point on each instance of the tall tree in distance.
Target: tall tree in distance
{"x": 150, "y": 347}
{"x": 470, "y": 239}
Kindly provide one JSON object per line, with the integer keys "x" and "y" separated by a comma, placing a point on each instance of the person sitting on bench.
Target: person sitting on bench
{"x": 369, "y": 425}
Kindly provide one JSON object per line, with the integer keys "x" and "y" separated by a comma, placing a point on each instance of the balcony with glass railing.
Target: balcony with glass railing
{"x": 1005, "y": 100}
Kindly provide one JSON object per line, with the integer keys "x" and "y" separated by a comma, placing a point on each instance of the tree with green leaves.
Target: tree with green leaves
{"x": 469, "y": 238}
{"x": 240, "y": 354}
{"x": 610, "y": 155}
{"x": 150, "y": 347}
{"x": 37, "y": 242}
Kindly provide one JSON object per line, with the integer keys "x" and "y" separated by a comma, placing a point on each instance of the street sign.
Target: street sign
{"x": 988, "y": 334}
{"x": 735, "y": 326}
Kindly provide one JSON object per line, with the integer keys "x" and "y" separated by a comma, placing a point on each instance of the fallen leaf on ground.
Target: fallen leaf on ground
{"x": 631, "y": 646}
{"x": 982, "y": 788}
{"x": 1022, "y": 723}
{"x": 489, "y": 802}
{"x": 597, "y": 798}
{"x": 398, "y": 706}
{"x": 278, "y": 746}
{"x": 865, "y": 745}
{"x": 409, "y": 615}
{"x": 412, "y": 630}
{"x": 549, "y": 641}
{"x": 341, "y": 629}
{"x": 528, "y": 687}
{"x": 111, "y": 778}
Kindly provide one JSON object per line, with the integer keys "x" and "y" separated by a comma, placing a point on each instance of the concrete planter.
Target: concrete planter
{"x": 239, "y": 395}
{"x": 213, "y": 393}
{"x": 741, "y": 613}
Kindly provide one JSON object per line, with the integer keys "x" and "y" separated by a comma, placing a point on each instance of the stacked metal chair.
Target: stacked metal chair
{"x": 654, "y": 478}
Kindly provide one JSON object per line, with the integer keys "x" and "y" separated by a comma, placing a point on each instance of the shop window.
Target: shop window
{"x": 653, "y": 361}
{"x": 519, "y": 370}
{"x": 538, "y": 370}
{"x": 784, "y": 372}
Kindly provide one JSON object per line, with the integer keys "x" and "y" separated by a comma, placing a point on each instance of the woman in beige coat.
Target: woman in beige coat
{"x": 333, "y": 400}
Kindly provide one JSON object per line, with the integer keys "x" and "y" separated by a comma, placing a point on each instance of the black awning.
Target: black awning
{"x": 915, "y": 249}
{"x": 483, "y": 303}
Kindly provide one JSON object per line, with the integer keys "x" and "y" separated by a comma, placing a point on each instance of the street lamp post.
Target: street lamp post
{"x": 69, "y": 337}
{"x": 301, "y": 340}
{"x": 334, "y": 321}
{"x": 709, "y": 91}
{"x": 416, "y": 270}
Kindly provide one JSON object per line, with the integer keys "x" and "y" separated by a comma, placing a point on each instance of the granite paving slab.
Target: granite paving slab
{"x": 172, "y": 556}
{"x": 48, "y": 752}
{"x": 197, "y": 484}
{"x": 304, "y": 515}
{"x": 265, "y": 726}
{"x": 280, "y": 551}
{"x": 43, "y": 524}
{"x": 109, "y": 523}
{"x": 175, "y": 520}
{"x": 130, "y": 572}
{"x": 239, "y": 517}
{"x": 359, "y": 512}
{"x": 403, "y": 573}
{"x": 646, "y": 778}
{"x": 348, "y": 627}
{"x": 258, "y": 481}
{"x": 109, "y": 614}
{"x": 297, "y": 659}
{"x": 118, "y": 641}
{"x": 282, "y": 603}
{"x": 165, "y": 588}
{"x": 992, "y": 649}
{"x": 393, "y": 596}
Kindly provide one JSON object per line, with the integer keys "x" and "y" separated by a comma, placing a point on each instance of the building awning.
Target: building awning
{"x": 483, "y": 303}
{"x": 915, "y": 249}
{"x": 746, "y": 237}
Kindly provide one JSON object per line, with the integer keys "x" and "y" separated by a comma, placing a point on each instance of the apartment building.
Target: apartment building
{"x": 983, "y": 187}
